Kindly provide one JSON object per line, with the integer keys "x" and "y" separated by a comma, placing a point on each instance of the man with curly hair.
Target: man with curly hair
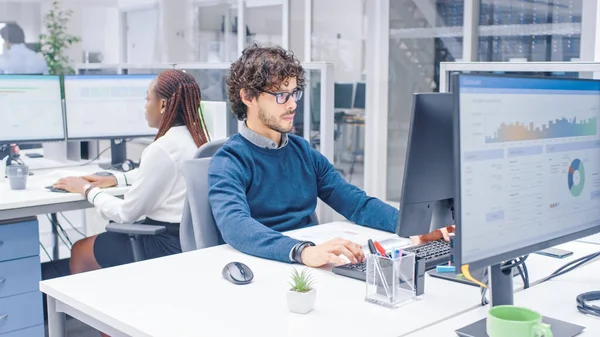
{"x": 265, "y": 181}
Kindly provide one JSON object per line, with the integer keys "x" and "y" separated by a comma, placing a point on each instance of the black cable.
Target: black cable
{"x": 70, "y": 224}
{"x": 507, "y": 266}
{"x": 49, "y": 258}
{"x": 58, "y": 233}
{"x": 572, "y": 266}
{"x": 98, "y": 156}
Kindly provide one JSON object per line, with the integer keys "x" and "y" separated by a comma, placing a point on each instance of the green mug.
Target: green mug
{"x": 508, "y": 320}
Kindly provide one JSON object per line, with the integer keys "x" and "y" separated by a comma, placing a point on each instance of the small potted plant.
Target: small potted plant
{"x": 301, "y": 296}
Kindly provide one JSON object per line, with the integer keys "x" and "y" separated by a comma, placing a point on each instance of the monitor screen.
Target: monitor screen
{"x": 360, "y": 95}
{"x": 107, "y": 106}
{"x": 529, "y": 167}
{"x": 343, "y": 95}
{"x": 30, "y": 109}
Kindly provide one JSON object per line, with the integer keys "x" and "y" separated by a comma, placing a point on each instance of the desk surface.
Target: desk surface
{"x": 555, "y": 298}
{"x": 183, "y": 294}
{"x": 36, "y": 194}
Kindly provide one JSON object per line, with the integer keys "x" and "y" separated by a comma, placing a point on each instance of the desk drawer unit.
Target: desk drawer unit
{"x": 21, "y": 306}
{"x": 19, "y": 276}
{"x": 18, "y": 240}
{"x": 20, "y": 312}
{"x": 28, "y": 332}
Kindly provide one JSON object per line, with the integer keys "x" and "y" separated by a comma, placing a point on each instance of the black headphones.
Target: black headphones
{"x": 128, "y": 165}
{"x": 588, "y": 309}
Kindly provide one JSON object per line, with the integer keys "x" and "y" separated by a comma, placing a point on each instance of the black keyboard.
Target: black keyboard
{"x": 56, "y": 190}
{"x": 434, "y": 253}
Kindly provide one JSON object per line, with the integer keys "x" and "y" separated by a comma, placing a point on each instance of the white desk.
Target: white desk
{"x": 555, "y": 298}
{"x": 184, "y": 294}
{"x": 36, "y": 199}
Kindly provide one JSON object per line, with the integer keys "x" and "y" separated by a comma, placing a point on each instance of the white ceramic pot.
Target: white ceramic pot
{"x": 301, "y": 303}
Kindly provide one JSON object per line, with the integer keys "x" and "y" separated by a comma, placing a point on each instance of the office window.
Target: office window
{"x": 422, "y": 34}
{"x": 523, "y": 30}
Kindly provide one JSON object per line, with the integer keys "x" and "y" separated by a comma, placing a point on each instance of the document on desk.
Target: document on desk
{"x": 357, "y": 234}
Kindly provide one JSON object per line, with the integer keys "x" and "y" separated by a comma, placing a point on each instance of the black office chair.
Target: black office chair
{"x": 136, "y": 230}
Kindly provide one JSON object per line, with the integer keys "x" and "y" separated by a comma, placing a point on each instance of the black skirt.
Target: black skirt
{"x": 114, "y": 249}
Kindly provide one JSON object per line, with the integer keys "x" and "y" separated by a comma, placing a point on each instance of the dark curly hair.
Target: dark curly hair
{"x": 258, "y": 69}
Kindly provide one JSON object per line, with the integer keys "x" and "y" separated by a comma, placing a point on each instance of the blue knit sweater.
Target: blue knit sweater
{"x": 256, "y": 193}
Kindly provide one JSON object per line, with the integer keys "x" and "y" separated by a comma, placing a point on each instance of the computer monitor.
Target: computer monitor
{"x": 428, "y": 186}
{"x": 30, "y": 109}
{"x": 107, "y": 107}
{"x": 343, "y": 93}
{"x": 360, "y": 95}
{"x": 528, "y": 160}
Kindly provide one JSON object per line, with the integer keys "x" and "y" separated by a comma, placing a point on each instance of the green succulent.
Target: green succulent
{"x": 302, "y": 282}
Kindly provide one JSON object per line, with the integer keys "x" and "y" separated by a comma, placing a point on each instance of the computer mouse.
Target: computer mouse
{"x": 237, "y": 273}
{"x": 103, "y": 174}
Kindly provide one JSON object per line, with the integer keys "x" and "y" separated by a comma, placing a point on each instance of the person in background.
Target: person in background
{"x": 17, "y": 58}
{"x": 265, "y": 181}
{"x": 158, "y": 187}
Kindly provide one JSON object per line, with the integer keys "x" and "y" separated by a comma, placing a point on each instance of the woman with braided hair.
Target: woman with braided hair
{"x": 157, "y": 187}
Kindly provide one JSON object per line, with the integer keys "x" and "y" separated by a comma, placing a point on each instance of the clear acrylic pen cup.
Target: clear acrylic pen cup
{"x": 390, "y": 281}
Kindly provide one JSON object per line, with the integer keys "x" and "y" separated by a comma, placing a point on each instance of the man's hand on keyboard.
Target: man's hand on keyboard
{"x": 443, "y": 233}
{"x": 330, "y": 251}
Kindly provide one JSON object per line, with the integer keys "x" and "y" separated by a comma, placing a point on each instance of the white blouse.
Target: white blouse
{"x": 157, "y": 187}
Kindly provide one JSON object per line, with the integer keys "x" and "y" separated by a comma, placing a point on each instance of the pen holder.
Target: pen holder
{"x": 390, "y": 282}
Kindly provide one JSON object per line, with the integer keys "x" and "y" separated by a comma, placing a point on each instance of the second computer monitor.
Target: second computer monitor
{"x": 107, "y": 106}
{"x": 30, "y": 109}
{"x": 429, "y": 180}
{"x": 528, "y": 152}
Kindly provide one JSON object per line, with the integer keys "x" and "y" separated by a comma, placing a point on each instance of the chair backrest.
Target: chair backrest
{"x": 197, "y": 228}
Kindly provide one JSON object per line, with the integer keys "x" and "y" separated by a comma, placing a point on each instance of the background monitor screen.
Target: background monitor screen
{"x": 107, "y": 106}
{"x": 30, "y": 109}
{"x": 529, "y": 163}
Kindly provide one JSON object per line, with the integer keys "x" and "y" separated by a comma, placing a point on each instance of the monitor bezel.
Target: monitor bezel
{"x": 458, "y": 242}
{"x": 103, "y": 137}
{"x": 62, "y": 112}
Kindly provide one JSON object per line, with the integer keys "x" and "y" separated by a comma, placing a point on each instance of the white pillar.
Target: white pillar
{"x": 176, "y": 31}
{"x": 376, "y": 112}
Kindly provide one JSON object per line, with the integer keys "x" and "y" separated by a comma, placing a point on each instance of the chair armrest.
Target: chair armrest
{"x": 135, "y": 229}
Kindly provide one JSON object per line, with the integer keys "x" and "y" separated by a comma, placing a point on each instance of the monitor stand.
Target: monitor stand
{"x": 502, "y": 294}
{"x": 118, "y": 155}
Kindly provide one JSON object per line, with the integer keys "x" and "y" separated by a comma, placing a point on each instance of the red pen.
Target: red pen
{"x": 379, "y": 248}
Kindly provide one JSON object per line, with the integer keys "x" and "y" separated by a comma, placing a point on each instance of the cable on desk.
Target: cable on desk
{"x": 572, "y": 266}
{"x": 50, "y": 258}
{"x": 70, "y": 224}
{"x": 101, "y": 153}
{"x": 518, "y": 263}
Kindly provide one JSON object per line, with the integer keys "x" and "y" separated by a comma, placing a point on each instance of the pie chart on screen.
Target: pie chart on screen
{"x": 576, "y": 178}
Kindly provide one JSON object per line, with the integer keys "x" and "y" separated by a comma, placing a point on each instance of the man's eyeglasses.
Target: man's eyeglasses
{"x": 283, "y": 97}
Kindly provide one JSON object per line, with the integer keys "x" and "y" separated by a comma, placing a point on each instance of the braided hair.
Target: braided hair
{"x": 183, "y": 97}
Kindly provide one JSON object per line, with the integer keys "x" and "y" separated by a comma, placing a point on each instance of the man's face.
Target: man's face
{"x": 278, "y": 116}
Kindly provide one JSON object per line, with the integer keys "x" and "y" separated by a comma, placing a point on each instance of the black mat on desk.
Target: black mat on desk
{"x": 559, "y": 328}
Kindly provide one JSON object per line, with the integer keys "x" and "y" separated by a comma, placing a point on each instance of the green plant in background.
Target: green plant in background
{"x": 302, "y": 282}
{"x": 55, "y": 43}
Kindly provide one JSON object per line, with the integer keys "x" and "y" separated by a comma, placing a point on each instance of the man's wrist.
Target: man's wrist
{"x": 297, "y": 250}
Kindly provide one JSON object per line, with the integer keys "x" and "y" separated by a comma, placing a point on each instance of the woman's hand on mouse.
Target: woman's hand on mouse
{"x": 101, "y": 181}
{"x": 330, "y": 251}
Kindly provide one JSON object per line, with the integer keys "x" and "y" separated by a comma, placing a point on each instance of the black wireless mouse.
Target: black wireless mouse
{"x": 237, "y": 273}
{"x": 103, "y": 174}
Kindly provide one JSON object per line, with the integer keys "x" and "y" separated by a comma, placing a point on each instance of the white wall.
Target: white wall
{"x": 26, "y": 14}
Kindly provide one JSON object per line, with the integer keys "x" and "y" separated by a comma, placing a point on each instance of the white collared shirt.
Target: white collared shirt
{"x": 21, "y": 60}
{"x": 158, "y": 187}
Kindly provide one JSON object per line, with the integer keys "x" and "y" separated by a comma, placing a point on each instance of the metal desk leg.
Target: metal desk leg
{"x": 56, "y": 320}
{"x": 55, "y": 250}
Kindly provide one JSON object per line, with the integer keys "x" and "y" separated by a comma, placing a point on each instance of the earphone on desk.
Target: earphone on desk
{"x": 588, "y": 309}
